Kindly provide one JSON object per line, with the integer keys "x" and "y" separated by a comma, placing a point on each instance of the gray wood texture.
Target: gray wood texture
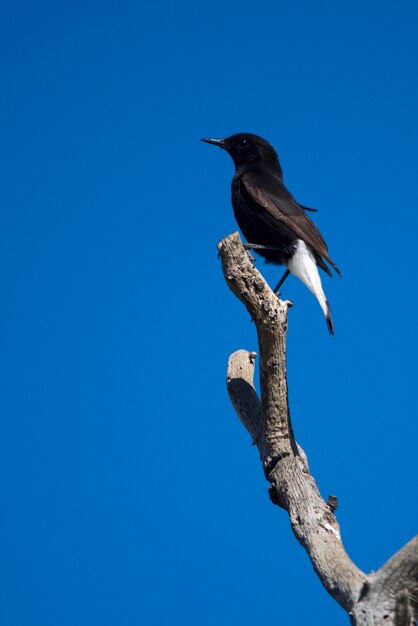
{"x": 390, "y": 595}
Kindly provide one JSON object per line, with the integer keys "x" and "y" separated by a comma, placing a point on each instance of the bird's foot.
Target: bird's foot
{"x": 251, "y": 257}
{"x": 248, "y": 247}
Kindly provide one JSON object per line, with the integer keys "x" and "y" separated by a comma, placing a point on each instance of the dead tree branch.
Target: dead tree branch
{"x": 390, "y": 596}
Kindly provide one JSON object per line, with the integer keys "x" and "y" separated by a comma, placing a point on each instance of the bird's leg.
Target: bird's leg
{"x": 281, "y": 281}
{"x": 256, "y": 246}
{"x": 248, "y": 247}
{"x": 251, "y": 257}
{"x": 259, "y": 246}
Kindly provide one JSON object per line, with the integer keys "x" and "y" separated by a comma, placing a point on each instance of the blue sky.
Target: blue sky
{"x": 130, "y": 492}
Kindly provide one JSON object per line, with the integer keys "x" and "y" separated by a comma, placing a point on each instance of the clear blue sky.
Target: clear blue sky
{"x": 130, "y": 493}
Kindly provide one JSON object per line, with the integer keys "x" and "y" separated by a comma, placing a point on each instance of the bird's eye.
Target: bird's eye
{"x": 243, "y": 143}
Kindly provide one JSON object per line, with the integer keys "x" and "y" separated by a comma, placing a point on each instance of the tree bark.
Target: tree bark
{"x": 389, "y": 596}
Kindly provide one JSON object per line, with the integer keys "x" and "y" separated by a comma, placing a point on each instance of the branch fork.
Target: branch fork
{"x": 389, "y": 596}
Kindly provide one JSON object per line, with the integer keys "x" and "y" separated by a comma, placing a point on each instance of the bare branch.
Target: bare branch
{"x": 244, "y": 398}
{"x": 293, "y": 488}
{"x": 400, "y": 573}
{"x": 392, "y": 592}
{"x": 270, "y": 316}
{"x": 389, "y": 596}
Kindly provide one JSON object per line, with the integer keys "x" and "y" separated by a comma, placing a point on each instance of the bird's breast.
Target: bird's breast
{"x": 260, "y": 227}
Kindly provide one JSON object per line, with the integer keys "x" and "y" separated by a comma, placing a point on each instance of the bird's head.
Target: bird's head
{"x": 247, "y": 149}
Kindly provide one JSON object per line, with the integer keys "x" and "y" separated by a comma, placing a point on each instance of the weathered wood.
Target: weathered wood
{"x": 270, "y": 316}
{"x": 244, "y": 398}
{"x": 390, "y": 596}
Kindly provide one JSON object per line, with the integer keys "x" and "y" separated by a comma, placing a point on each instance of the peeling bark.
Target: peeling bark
{"x": 389, "y": 596}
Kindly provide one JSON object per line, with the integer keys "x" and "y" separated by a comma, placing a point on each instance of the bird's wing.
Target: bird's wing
{"x": 280, "y": 204}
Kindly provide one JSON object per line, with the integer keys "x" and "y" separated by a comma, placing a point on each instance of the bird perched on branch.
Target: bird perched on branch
{"x": 273, "y": 223}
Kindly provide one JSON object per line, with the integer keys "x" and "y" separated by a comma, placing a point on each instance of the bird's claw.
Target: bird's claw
{"x": 250, "y": 256}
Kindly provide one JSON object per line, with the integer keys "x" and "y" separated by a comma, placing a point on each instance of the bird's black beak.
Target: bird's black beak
{"x": 216, "y": 142}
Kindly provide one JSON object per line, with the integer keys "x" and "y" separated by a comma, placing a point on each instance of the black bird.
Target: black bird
{"x": 270, "y": 219}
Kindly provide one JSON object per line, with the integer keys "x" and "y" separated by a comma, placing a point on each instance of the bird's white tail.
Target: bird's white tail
{"x": 302, "y": 264}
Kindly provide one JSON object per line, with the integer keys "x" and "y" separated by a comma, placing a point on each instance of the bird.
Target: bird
{"x": 274, "y": 224}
